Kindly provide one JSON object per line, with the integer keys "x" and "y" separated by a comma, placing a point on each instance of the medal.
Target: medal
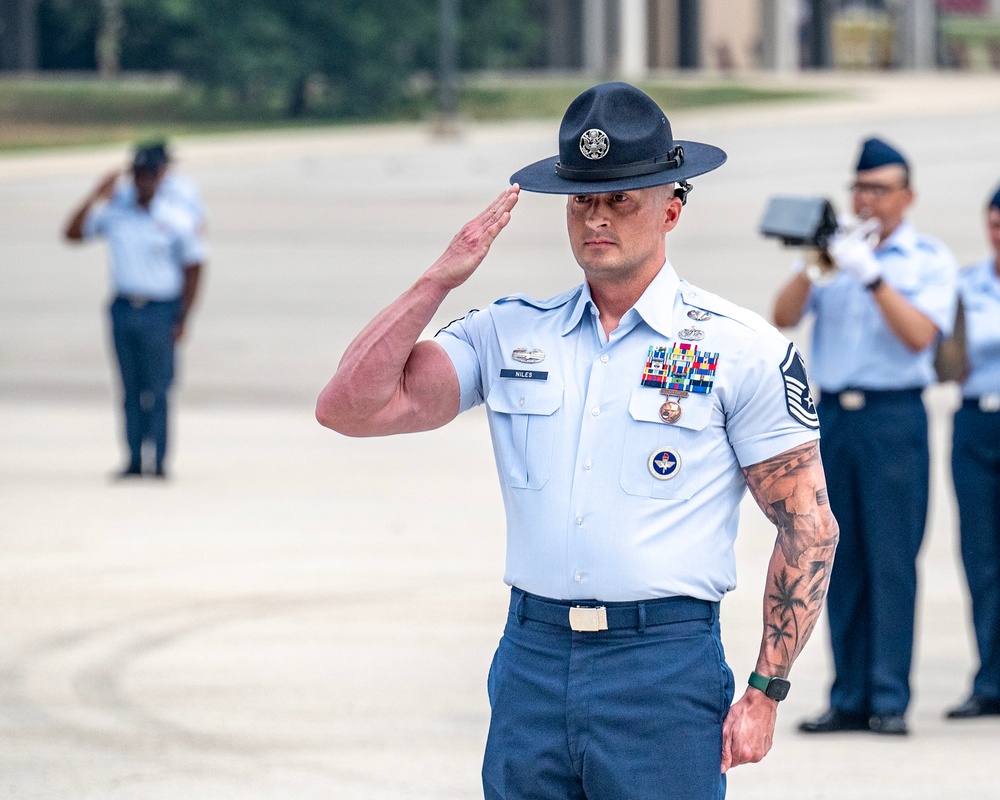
{"x": 699, "y": 315}
{"x": 677, "y": 371}
{"x": 671, "y": 409}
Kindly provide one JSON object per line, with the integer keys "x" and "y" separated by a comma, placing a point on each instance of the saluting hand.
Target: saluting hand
{"x": 471, "y": 244}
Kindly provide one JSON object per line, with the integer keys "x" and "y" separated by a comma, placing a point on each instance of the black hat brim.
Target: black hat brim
{"x": 541, "y": 176}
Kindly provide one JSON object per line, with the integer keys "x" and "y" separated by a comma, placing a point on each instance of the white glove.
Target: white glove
{"x": 854, "y": 255}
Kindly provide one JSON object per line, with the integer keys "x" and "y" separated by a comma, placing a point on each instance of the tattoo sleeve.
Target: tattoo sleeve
{"x": 791, "y": 491}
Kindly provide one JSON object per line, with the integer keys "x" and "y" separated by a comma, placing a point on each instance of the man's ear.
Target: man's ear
{"x": 671, "y": 213}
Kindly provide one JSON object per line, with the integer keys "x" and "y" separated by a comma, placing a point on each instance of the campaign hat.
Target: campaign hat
{"x": 613, "y": 138}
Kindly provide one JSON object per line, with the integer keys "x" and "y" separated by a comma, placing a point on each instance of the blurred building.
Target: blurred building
{"x": 630, "y": 38}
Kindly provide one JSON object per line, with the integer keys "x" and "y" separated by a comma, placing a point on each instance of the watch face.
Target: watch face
{"x": 777, "y": 688}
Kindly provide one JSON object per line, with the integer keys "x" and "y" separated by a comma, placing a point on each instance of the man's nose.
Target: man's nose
{"x": 597, "y": 216}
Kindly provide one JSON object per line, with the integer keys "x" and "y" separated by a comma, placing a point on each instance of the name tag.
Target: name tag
{"x": 524, "y": 374}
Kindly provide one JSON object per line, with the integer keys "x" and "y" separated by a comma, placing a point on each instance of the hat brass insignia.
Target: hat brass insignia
{"x": 594, "y": 144}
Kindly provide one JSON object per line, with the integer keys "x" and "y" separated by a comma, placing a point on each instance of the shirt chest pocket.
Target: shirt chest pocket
{"x": 523, "y": 419}
{"x": 644, "y": 473}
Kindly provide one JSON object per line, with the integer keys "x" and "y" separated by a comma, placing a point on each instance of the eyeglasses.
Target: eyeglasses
{"x": 877, "y": 189}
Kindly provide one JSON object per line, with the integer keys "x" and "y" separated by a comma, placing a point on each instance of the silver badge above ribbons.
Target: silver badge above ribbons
{"x": 526, "y": 356}
{"x": 594, "y": 144}
{"x": 699, "y": 314}
{"x": 692, "y": 334}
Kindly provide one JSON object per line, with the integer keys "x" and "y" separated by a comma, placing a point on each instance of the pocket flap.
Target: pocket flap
{"x": 696, "y": 410}
{"x": 513, "y": 396}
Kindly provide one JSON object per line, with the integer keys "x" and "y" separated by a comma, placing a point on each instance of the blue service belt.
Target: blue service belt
{"x": 139, "y": 301}
{"x": 591, "y": 615}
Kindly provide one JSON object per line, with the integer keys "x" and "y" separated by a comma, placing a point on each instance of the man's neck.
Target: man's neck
{"x": 888, "y": 230}
{"x": 614, "y": 299}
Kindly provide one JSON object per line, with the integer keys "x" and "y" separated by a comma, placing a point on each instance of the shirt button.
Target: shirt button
{"x": 587, "y": 464}
{"x": 578, "y": 576}
{"x": 520, "y": 401}
{"x": 604, "y": 359}
{"x": 579, "y": 520}
{"x": 595, "y": 411}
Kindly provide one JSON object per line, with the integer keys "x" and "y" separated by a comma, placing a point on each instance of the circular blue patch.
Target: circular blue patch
{"x": 664, "y": 463}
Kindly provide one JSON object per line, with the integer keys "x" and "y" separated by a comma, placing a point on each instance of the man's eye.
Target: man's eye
{"x": 618, "y": 197}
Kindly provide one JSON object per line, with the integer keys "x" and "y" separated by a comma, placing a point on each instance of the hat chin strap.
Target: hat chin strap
{"x": 672, "y": 160}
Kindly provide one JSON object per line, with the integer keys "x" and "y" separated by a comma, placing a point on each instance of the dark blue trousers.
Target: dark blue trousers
{"x": 624, "y": 714}
{"x": 144, "y": 344}
{"x": 877, "y": 468}
{"x": 975, "y": 466}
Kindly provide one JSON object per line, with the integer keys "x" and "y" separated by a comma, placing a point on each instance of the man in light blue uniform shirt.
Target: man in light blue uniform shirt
{"x": 975, "y": 466}
{"x": 174, "y": 188}
{"x": 629, "y": 415}
{"x": 876, "y": 325}
{"x": 156, "y": 257}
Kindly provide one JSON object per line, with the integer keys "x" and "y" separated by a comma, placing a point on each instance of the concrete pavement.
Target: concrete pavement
{"x": 296, "y": 614}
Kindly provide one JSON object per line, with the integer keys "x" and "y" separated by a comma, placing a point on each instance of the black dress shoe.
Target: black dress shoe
{"x": 975, "y": 706}
{"x": 131, "y": 471}
{"x": 888, "y": 724}
{"x": 834, "y": 721}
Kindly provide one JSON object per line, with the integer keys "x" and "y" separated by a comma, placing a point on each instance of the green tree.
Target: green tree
{"x": 333, "y": 58}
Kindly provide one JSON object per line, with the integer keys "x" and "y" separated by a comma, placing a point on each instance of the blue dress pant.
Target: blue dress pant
{"x": 975, "y": 466}
{"x": 621, "y": 714}
{"x": 143, "y": 335}
{"x": 877, "y": 466}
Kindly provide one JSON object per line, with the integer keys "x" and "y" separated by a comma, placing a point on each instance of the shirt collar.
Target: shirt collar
{"x": 584, "y": 304}
{"x": 985, "y": 275}
{"x": 655, "y": 306}
{"x": 903, "y": 240}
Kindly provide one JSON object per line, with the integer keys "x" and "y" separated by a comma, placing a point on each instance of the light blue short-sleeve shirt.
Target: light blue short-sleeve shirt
{"x": 604, "y": 500}
{"x": 979, "y": 287}
{"x": 148, "y": 249}
{"x": 853, "y": 346}
{"x": 176, "y": 189}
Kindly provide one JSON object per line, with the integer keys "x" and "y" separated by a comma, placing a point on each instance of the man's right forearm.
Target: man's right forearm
{"x": 387, "y": 382}
{"x": 103, "y": 191}
{"x": 74, "y": 228}
{"x": 371, "y": 375}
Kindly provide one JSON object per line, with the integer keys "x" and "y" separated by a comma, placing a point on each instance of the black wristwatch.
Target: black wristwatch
{"x": 873, "y": 286}
{"x": 775, "y": 688}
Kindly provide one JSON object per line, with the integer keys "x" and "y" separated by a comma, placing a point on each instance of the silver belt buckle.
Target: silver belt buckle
{"x": 585, "y": 618}
{"x": 989, "y": 403}
{"x": 852, "y": 400}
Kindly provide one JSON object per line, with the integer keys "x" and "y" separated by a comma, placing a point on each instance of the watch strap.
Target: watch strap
{"x": 758, "y": 681}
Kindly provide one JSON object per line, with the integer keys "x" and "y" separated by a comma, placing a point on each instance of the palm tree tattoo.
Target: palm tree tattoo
{"x": 791, "y": 491}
